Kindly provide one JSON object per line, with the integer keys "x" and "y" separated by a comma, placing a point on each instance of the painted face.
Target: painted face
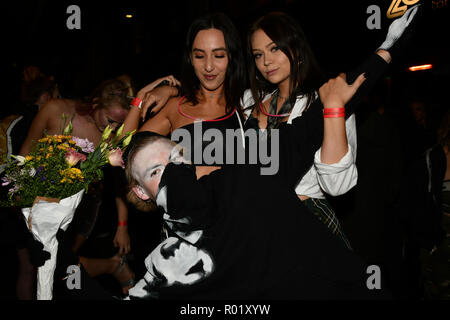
{"x": 149, "y": 164}
{"x": 271, "y": 62}
{"x": 209, "y": 58}
{"x": 113, "y": 115}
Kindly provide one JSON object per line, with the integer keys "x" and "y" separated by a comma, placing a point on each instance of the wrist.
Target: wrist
{"x": 384, "y": 54}
{"x": 136, "y": 102}
{"x": 122, "y": 224}
{"x": 334, "y": 112}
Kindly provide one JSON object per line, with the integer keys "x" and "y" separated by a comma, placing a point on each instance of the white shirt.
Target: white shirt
{"x": 334, "y": 179}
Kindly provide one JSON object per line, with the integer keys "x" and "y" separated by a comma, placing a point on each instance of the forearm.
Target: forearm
{"x": 122, "y": 213}
{"x": 339, "y": 177}
{"x": 385, "y": 55}
{"x": 132, "y": 120}
{"x": 334, "y": 144}
{"x": 373, "y": 68}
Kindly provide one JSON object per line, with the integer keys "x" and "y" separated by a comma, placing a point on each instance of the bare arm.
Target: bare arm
{"x": 122, "y": 238}
{"x": 40, "y": 123}
{"x": 335, "y": 94}
{"x": 150, "y": 95}
{"x": 385, "y": 55}
{"x": 160, "y": 122}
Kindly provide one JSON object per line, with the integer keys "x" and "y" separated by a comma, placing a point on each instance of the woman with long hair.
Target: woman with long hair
{"x": 213, "y": 79}
{"x": 284, "y": 80}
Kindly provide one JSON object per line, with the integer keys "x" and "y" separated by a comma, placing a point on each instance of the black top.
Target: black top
{"x": 198, "y": 138}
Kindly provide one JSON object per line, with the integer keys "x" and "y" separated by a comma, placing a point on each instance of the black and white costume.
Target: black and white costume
{"x": 225, "y": 239}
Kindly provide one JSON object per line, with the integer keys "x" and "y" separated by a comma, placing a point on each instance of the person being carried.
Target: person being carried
{"x": 225, "y": 243}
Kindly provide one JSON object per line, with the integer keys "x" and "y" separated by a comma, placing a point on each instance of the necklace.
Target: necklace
{"x": 273, "y": 115}
{"x": 199, "y": 119}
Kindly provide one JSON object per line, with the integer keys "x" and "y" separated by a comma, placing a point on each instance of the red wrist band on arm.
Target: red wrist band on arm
{"x": 337, "y": 115}
{"x": 136, "y": 102}
{"x": 333, "y": 112}
{"x": 122, "y": 224}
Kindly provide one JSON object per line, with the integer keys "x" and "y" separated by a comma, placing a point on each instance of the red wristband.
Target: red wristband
{"x": 136, "y": 102}
{"x": 333, "y": 110}
{"x": 335, "y": 115}
{"x": 122, "y": 224}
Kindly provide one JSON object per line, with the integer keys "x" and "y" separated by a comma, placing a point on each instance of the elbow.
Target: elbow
{"x": 341, "y": 183}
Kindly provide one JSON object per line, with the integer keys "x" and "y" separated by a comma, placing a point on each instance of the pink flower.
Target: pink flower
{"x": 5, "y": 181}
{"x": 72, "y": 157}
{"x": 115, "y": 158}
{"x": 84, "y": 144}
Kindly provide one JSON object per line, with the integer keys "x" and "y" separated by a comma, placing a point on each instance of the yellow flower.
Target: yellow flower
{"x": 38, "y": 158}
{"x": 63, "y": 146}
{"x": 48, "y": 155}
{"x": 75, "y": 171}
{"x": 106, "y": 133}
{"x": 71, "y": 173}
{"x": 50, "y": 149}
{"x": 28, "y": 158}
{"x": 43, "y": 140}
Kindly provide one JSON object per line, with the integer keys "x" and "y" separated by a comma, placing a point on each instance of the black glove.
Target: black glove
{"x": 401, "y": 31}
{"x": 38, "y": 255}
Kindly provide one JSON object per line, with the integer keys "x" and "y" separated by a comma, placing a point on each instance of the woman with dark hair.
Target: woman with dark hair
{"x": 284, "y": 79}
{"x": 224, "y": 242}
{"x": 213, "y": 80}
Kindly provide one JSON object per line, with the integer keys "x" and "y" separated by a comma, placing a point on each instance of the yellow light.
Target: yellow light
{"x": 129, "y": 16}
{"x": 422, "y": 67}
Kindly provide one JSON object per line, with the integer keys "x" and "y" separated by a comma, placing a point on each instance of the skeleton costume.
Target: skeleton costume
{"x": 227, "y": 240}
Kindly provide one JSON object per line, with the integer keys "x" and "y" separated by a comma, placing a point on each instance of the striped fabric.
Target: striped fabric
{"x": 323, "y": 211}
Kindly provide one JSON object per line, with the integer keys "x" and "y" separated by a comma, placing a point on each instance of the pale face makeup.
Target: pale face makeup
{"x": 149, "y": 164}
{"x": 209, "y": 58}
{"x": 271, "y": 62}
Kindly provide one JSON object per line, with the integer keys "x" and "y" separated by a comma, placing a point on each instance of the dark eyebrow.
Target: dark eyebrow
{"x": 214, "y": 50}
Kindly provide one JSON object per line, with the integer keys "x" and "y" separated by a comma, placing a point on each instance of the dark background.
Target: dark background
{"x": 150, "y": 44}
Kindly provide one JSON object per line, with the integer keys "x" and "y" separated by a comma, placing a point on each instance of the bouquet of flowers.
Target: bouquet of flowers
{"x": 48, "y": 184}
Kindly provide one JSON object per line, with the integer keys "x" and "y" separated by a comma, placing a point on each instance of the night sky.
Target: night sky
{"x": 150, "y": 44}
